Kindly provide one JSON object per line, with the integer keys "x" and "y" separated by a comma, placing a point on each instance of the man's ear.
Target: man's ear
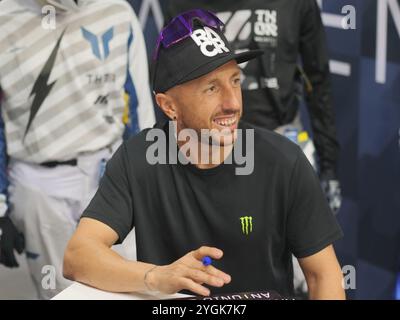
{"x": 167, "y": 105}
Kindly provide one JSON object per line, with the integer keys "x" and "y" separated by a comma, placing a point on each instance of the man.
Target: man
{"x": 70, "y": 71}
{"x": 286, "y": 31}
{"x": 200, "y": 206}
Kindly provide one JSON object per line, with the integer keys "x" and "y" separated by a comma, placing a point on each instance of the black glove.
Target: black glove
{"x": 333, "y": 194}
{"x": 10, "y": 239}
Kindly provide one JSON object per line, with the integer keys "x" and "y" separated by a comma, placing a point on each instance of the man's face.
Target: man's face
{"x": 213, "y": 101}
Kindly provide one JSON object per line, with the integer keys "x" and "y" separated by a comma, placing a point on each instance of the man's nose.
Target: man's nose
{"x": 230, "y": 99}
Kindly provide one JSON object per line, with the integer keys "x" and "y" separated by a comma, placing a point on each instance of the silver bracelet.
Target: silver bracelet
{"x": 145, "y": 277}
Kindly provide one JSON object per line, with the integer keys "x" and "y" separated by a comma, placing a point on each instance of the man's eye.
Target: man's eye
{"x": 211, "y": 89}
{"x": 236, "y": 81}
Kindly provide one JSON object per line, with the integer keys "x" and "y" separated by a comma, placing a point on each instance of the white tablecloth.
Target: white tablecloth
{"x": 79, "y": 291}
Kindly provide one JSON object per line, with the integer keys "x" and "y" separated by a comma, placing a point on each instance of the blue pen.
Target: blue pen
{"x": 206, "y": 261}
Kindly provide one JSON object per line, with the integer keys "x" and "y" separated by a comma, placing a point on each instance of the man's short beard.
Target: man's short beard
{"x": 221, "y": 141}
{"x": 207, "y": 138}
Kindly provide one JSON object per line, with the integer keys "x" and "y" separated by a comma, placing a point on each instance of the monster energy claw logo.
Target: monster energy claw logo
{"x": 247, "y": 224}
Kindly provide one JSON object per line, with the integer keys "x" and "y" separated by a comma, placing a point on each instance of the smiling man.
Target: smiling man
{"x": 249, "y": 224}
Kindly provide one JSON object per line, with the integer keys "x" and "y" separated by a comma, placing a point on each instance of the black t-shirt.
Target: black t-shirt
{"x": 258, "y": 220}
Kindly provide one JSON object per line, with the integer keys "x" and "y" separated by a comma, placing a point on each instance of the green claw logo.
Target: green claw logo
{"x": 247, "y": 224}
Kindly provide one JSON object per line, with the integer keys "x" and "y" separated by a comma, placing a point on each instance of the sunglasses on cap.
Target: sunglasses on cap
{"x": 181, "y": 27}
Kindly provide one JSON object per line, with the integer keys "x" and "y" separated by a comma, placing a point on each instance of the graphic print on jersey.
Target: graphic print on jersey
{"x": 41, "y": 88}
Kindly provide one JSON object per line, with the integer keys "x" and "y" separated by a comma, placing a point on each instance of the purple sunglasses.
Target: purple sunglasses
{"x": 181, "y": 27}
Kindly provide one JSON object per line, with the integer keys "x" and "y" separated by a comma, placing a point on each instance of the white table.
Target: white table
{"x": 79, "y": 291}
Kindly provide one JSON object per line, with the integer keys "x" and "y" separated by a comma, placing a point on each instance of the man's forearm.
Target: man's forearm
{"x": 325, "y": 288}
{"x": 99, "y": 266}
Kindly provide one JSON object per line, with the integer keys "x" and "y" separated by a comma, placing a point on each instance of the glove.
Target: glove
{"x": 332, "y": 192}
{"x": 10, "y": 239}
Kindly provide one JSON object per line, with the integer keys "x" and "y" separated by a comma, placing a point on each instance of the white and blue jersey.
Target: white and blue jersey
{"x": 64, "y": 90}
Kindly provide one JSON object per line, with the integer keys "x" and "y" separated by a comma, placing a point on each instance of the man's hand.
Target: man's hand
{"x": 332, "y": 192}
{"x": 188, "y": 273}
{"x": 10, "y": 239}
